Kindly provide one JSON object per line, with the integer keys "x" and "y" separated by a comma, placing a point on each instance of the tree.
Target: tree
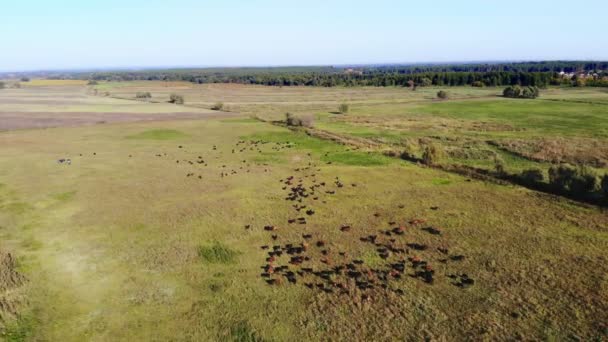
{"x": 176, "y": 99}
{"x": 343, "y": 108}
{"x": 442, "y": 94}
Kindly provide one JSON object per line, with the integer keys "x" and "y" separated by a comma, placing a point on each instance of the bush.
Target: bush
{"x": 218, "y": 106}
{"x": 517, "y": 92}
{"x": 432, "y": 154}
{"x": 2, "y": 85}
{"x": 583, "y": 182}
{"x": 532, "y": 176}
{"x": 143, "y": 95}
{"x": 577, "y": 181}
{"x": 409, "y": 151}
{"x": 511, "y": 91}
{"x": 442, "y": 95}
{"x": 478, "y": 84}
{"x": 25, "y": 79}
{"x": 299, "y": 121}
{"x": 499, "y": 165}
{"x": 560, "y": 177}
{"x": 426, "y": 82}
{"x": 176, "y": 99}
{"x": 92, "y": 82}
{"x": 604, "y": 185}
{"x": 343, "y": 108}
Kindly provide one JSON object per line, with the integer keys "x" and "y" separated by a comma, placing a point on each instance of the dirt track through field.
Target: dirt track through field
{"x": 17, "y": 120}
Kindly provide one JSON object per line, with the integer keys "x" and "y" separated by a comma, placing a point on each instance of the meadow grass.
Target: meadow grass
{"x": 158, "y": 134}
{"x": 123, "y": 245}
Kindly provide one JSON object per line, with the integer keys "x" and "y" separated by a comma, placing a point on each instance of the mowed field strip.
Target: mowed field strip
{"x": 234, "y": 229}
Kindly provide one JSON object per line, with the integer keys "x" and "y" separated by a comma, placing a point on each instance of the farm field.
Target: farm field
{"x": 174, "y": 222}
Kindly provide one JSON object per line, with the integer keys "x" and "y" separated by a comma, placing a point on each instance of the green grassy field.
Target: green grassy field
{"x": 155, "y": 230}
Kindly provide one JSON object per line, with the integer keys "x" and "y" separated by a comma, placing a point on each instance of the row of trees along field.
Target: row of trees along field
{"x": 539, "y": 74}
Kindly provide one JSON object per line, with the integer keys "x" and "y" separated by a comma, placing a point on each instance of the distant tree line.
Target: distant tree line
{"x": 538, "y": 74}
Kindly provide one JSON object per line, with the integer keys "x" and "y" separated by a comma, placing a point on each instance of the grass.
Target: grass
{"x": 217, "y": 253}
{"x": 143, "y": 252}
{"x": 19, "y": 330}
{"x": 159, "y": 134}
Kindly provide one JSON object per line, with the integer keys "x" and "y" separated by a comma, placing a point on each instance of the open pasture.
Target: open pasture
{"x": 236, "y": 229}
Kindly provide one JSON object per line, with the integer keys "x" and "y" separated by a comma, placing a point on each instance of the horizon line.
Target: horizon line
{"x": 271, "y": 66}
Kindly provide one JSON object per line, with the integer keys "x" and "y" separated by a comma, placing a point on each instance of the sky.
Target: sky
{"x": 84, "y": 34}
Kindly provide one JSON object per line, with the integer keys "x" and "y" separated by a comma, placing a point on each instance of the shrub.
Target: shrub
{"x": 177, "y": 99}
{"x": 343, "y": 108}
{"x": 92, "y": 82}
{"x": 432, "y": 154}
{"x": 2, "y": 85}
{"x": 478, "y": 84}
{"x": 218, "y": 106}
{"x": 25, "y": 79}
{"x": 560, "y": 176}
{"x": 426, "y": 82}
{"x": 577, "y": 181}
{"x": 583, "y": 182}
{"x": 143, "y": 95}
{"x": 307, "y": 120}
{"x": 532, "y": 176}
{"x": 442, "y": 94}
{"x": 299, "y": 121}
{"x": 409, "y": 151}
{"x": 511, "y": 91}
{"x": 499, "y": 165}
{"x": 604, "y": 185}
{"x": 517, "y": 92}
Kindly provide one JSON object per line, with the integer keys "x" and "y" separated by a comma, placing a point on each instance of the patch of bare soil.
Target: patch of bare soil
{"x": 586, "y": 151}
{"x": 14, "y": 121}
{"x": 10, "y": 283}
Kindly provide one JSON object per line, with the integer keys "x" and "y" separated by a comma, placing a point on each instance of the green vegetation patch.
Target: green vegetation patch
{"x": 331, "y": 152}
{"x": 241, "y": 120}
{"x": 296, "y": 140}
{"x": 19, "y": 330}
{"x": 64, "y": 196}
{"x": 242, "y": 332}
{"x": 159, "y": 134}
{"x": 356, "y": 158}
{"x": 441, "y": 181}
{"x": 217, "y": 253}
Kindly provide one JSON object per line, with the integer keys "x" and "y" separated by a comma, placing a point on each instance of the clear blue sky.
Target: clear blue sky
{"x": 51, "y": 34}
